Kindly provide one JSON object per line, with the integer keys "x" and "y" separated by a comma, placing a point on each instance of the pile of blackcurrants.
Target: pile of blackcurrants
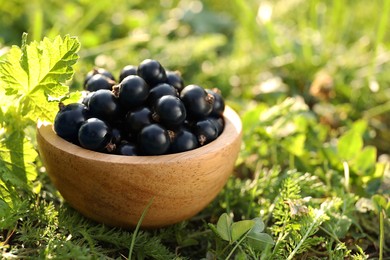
{"x": 148, "y": 112}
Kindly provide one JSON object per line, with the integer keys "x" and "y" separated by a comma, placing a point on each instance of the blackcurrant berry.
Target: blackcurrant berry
{"x": 152, "y": 72}
{"x": 184, "y": 140}
{"x": 153, "y": 140}
{"x": 116, "y": 135}
{"x": 170, "y": 111}
{"x": 218, "y": 122}
{"x": 101, "y": 71}
{"x": 127, "y": 71}
{"x": 138, "y": 119}
{"x": 99, "y": 81}
{"x": 126, "y": 148}
{"x": 197, "y": 101}
{"x": 218, "y": 104}
{"x": 68, "y": 121}
{"x": 160, "y": 90}
{"x": 94, "y": 134}
{"x": 85, "y": 96}
{"x": 205, "y": 131}
{"x": 104, "y": 105}
{"x": 174, "y": 78}
{"x": 133, "y": 92}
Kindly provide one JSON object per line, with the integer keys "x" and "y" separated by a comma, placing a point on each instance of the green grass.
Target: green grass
{"x": 314, "y": 168}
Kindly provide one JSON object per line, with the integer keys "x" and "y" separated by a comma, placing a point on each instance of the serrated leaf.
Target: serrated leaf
{"x": 17, "y": 157}
{"x": 350, "y": 145}
{"x": 37, "y": 71}
{"x": 224, "y": 227}
{"x": 240, "y": 228}
{"x": 73, "y": 97}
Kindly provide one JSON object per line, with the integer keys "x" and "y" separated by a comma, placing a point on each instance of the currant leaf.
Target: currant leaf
{"x": 36, "y": 72}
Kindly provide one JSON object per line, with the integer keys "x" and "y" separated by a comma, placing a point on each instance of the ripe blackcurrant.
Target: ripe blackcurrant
{"x": 95, "y": 71}
{"x": 104, "y": 105}
{"x": 205, "y": 131}
{"x": 218, "y": 122}
{"x": 218, "y": 104}
{"x": 133, "y": 92}
{"x": 197, "y": 101}
{"x": 96, "y": 135}
{"x": 68, "y": 121}
{"x": 174, "y": 78}
{"x": 116, "y": 135}
{"x": 170, "y": 111}
{"x": 138, "y": 119}
{"x": 153, "y": 140}
{"x": 127, "y": 71}
{"x": 126, "y": 148}
{"x": 99, "y": 81}
{"x": 152, "y": 72}
{"x": 86, "y": 96}
{"x": 184, "y": 140}
{"x": 159, "y": 91}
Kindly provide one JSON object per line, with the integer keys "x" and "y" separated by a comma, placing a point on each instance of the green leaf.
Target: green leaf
{"x": 4, "y": 208}
{"x": 189, "y": 242}
{"x": 365, "y": 161}
{"x": 295, "y": 144}
{"x": 258, "y": 227}
{"x": 360, "y": 126}
{"x": 380, "y": 202}
{"x": 37, "y": 72}
{"x": 350, "y": 145}
{"x": 240, "y": 228}
{"x": 224, "y": 227}
{"x": 73, "y": 97}
{"x": 254, "y": 239}
{"x": 17, "y": 157}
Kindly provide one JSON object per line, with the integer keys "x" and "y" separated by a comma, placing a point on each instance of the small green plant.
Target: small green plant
{"x": 236, "y": 233}
{"x": 295, "y": 224}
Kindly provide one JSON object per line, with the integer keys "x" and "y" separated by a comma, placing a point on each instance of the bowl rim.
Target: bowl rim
{"x": 232, "y": 131}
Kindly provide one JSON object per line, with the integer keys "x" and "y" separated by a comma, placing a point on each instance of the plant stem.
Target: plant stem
{"x": 237, "y": 244}
{"x": 37, "y": 20}
{"x": 137, "y": 228}
{"x": 346, "y": 175}
{"x": 331, "y": 234}
{"x": 315, "y": 220}
{"x": 381, "y": 234}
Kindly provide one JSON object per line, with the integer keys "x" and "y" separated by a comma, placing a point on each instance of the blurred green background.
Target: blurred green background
{"x": 335, "y": 54}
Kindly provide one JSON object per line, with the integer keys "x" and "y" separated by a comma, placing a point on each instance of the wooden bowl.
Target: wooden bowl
{"x": 115, "y": 189}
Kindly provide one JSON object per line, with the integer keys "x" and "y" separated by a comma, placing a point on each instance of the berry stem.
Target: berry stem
{"x": 209, "y": 98}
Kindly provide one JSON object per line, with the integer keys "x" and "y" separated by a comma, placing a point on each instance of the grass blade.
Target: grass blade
{"x": 381, "y": 233}
{"x": 138, "y": 226}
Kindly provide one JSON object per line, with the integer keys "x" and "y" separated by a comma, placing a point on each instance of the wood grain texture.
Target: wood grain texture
{"x": 114, "y": 189}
